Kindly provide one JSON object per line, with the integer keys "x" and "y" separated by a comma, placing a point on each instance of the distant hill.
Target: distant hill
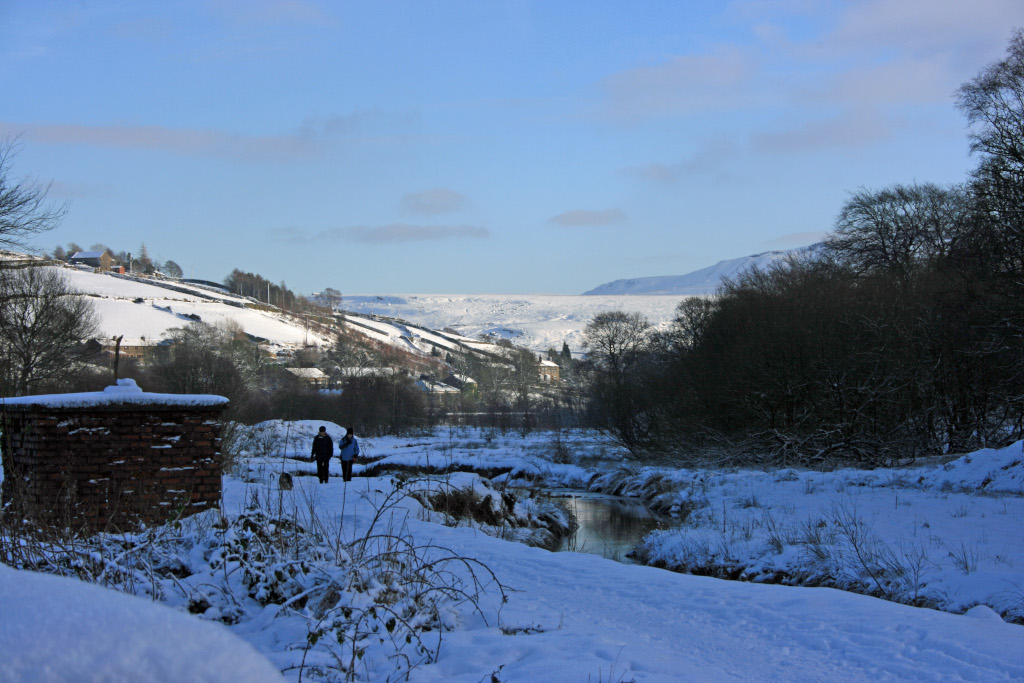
{"x": 699, "y": 282}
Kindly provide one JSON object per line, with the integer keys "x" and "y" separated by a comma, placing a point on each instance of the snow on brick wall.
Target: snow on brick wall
{"x": 110, "y": 465}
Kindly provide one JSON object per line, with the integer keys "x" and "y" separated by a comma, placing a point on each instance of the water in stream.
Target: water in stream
{"x": 608, "y": 525}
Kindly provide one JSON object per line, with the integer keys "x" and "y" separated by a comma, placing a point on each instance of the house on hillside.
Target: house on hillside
{"x": 139, "y": 349}
{"x": 350, "y": 372}
{"x": 429, "y": 386}
{"x": 101, "y": 260}
{"x": 549, "y": 371}
{"x": 461, "y": 382}
{"x": 313, "y": 376}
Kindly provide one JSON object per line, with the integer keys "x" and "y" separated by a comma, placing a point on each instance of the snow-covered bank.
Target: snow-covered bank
{"x": 944, "y": 536}
{"x": 334, "y": 580}
{"x": 941, "y": 535}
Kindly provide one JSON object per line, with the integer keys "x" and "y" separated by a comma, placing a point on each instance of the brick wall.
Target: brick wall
{"x": 111, "y": 466}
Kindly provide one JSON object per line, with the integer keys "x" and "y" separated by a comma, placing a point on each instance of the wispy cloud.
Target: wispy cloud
{"x": 80, "y": 190}
{"x": 583, "y": 218}
{"x": 309, "y": 140}
{"x": 711, "y": 158}
{"x": 395, "y": 233}
{"x": 654, "y": 171}
{"x": 853, "y": 128}
{"x": 873, "y": 52}
{"x": 184, "y": 141}
{"x": 968, "y": 30}
{"x": 437, "y": 200}
{"x": 682, "y": 85}
{"x": 795, "y": 239}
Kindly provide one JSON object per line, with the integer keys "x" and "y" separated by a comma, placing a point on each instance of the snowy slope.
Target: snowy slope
{"x": 700, "y": 282}
{"x": 412, "y": 322}
{"x": 536, "y": 321}
{"x": 142, "y": 310}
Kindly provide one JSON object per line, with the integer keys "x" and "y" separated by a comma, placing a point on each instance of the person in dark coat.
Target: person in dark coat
{"x": 349, "y": 448}
{"x": 323, "y": 449}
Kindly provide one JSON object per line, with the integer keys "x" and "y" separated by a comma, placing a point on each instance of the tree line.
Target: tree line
{"x": 901, "y": 335}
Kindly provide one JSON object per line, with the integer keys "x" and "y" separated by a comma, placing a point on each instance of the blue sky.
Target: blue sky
{"x": 475, "y": 147}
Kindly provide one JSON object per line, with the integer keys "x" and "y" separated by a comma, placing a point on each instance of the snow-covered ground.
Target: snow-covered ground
{"x": 56, "y": 629}
{"x": 536, "y": 321}
{"x": 943, "y": 535}
{"x": 521, "y": 613}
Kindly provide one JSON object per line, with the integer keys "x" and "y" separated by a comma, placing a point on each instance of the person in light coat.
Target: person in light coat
{"x": 349, "y": 447}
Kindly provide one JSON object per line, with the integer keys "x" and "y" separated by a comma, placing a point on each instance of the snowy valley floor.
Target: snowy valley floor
{"x": 290, "y": 574}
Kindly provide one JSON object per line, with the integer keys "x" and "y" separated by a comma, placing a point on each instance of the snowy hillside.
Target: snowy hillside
{"x": 536, "y": 321}
{"x": 138, "y": 309}
{"x": 146, "y": 309}
{"x": 700, "y": 282}
{"x": 414, "y": 321}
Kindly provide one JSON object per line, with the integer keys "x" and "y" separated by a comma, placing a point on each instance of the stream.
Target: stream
{"x": 608, "y": 525}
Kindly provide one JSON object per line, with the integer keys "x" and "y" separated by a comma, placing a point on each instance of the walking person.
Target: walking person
{"x": 349, "y": 447}
{"x": 323, "y": 449}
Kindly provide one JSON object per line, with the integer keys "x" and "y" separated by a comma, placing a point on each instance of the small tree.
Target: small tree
{"x": 173, "y": 269}
{"x": 43, "y": 321}
{"x": 143, "y": 262}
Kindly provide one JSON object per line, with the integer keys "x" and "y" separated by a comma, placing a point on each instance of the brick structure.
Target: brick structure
{"x": 113, "y": 459}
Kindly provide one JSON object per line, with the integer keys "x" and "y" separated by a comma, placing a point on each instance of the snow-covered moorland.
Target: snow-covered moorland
{"x": 535, "y": 321}
{"x": 363, "y": 580}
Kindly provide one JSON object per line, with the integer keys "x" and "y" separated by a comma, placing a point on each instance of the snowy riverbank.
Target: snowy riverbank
{"x": 333, "y": 580}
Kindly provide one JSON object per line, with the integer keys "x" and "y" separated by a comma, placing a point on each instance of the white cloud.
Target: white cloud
{"x": 403, "y": 232}
{"x": 434, "y": 201}
{"x": 795, "y": 239}
{"x": 585, "y": 218}
{"x": 184, "y": 141}
{"x": 852, "y": 128}
{"x": 681, "y": 85}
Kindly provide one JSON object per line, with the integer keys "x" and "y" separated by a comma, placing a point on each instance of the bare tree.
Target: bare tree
{"x": 43, "y": 320}
{"x": 173, "y": 269}
{"x": 198, "y": 360}
{"x": 993, "y": 102}
{"x": 614, "y": 339}
{"x": 24, "y": 209}
{"x": 899, "y": 229}
{"x": 617, "y": 346}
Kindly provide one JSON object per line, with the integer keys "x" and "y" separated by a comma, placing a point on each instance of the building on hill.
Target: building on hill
{"x": 313, "y": 376}
{"x": 355, "y": 371}
{"x": 431, "y": 387}
{"x": 137, "y": 348}
{"x": 101, "y": 260}
{"x": 549, "y": 371}
{"x": 461, "y": 382}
